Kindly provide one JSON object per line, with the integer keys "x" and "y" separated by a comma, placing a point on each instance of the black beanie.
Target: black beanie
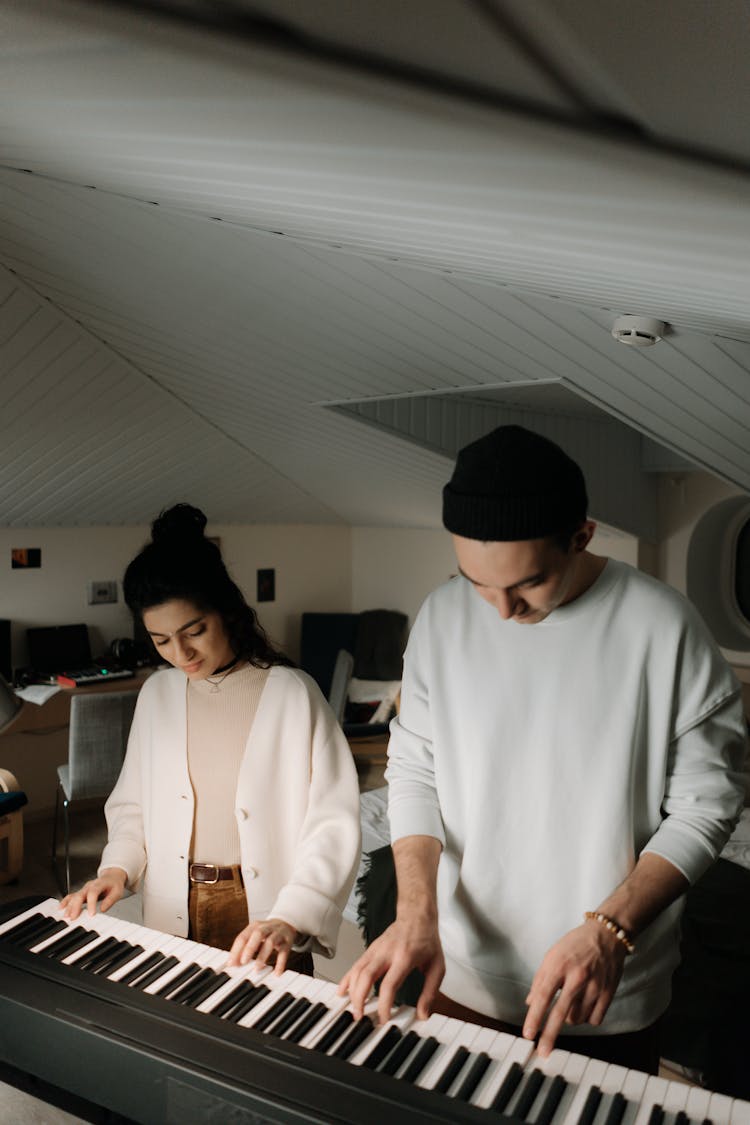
{"x": 513, "y": 484}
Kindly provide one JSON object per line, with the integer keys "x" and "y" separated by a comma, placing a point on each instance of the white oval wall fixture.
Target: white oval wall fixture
{"x": 638, "y": 331}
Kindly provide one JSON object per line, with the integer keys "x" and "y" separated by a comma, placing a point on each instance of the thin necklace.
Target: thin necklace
{"x": 226, "y": 669}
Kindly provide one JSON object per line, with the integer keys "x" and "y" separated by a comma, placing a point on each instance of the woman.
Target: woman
{"x": 237, "y": 808}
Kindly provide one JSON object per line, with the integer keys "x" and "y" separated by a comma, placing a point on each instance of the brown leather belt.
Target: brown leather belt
{"x": 209, "y": 873}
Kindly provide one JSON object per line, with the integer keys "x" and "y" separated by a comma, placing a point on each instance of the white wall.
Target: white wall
{"x": 312, "y": 563}
{"x": 397, "y": 568}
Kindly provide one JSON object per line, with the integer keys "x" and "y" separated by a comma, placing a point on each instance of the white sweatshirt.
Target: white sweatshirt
{"x": 546, "y": 758}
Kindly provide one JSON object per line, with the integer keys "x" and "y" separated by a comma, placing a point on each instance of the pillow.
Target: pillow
{"x": 382, "y": 692}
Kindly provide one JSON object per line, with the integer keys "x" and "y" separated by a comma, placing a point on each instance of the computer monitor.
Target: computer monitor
{"x": 58, "y": 648}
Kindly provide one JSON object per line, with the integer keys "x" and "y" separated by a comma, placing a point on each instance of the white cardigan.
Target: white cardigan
{"x": 297, "y": 808}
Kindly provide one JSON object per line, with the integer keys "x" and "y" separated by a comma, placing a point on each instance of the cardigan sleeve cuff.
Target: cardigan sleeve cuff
{"x": 311, "y": 913}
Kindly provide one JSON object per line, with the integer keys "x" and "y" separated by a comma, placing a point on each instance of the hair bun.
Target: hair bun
{"x": 181, "y": 523}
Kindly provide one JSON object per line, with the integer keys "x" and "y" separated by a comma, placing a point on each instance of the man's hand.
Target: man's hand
{"x": 260, "y": 940}
{"x": 406, "y": 944}
{"x": 109, "y": 887}
{"x": 584, "y": 967}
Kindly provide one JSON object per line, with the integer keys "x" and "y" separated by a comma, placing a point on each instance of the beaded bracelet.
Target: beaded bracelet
{"x": 613, "y": 927}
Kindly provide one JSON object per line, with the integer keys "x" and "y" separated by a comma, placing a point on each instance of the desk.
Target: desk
{"x": 36, "y": 742}
{"x": 371, "y": 751}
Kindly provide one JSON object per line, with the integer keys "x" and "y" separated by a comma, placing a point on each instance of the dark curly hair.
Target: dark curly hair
{"x": 180, "y": 562}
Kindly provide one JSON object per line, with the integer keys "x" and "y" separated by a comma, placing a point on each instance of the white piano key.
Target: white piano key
{"x": 150, "y": 945}
{"x": 611, "y": 1084}
{"x": 480, "y": 1044}
{"x": 401, "y": 1018}
{"x": 654, "y": 1093}
{"x": 572, "y": 1070}
{"x": 675, "y": 1099}
{"x": 336, "y": 1005}
{"x": 499, "y": 1046}
{"x": 238, "y": 975}
{"x": 449, "y": 1036}
{"x": 277, "y": 985}
{"x": 632, "y": 1091}
{"x": 740, "y": 1112}
{"x": 593, "y": 1075}
{"x": 696, "y": 1106}
{"x": 50, "y": 908}
{"x": 720, "y": 1109}
{"x": 78, "y": 954}
{"x": 520, "y": 1051}
{"x": 207, "y": 959}
{"x": 42, "y": 945}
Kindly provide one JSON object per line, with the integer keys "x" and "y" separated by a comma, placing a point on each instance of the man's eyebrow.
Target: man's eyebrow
{"x": 523, "y": 582}
{"x": 185, "y": 626}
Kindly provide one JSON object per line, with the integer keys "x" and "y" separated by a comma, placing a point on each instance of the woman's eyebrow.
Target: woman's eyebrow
{"x": 185, "y": 626}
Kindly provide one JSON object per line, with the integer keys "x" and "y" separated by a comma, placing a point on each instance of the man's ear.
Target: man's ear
{"x": 583, "y": 536}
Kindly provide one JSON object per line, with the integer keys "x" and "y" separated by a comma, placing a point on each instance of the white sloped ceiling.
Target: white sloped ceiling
{"x": 218, "y": 256}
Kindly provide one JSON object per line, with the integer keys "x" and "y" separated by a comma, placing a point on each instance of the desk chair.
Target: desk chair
{"x": 99, "y": 728}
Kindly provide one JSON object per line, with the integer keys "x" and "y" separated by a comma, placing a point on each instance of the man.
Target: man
{"x": 565, "y": 763}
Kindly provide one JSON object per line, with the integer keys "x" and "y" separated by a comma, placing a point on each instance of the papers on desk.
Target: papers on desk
{"x": 38, "y": 693}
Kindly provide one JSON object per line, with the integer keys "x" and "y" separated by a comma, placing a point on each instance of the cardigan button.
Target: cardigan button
{"x": 243, "y": 814}
{"x": 249, "y": 872}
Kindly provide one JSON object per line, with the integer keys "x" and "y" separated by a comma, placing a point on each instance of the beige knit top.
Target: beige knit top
{"x": 218, "y": 727}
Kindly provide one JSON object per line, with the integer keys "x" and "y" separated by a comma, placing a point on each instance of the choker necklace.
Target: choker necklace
{"x": 226, "y": 669}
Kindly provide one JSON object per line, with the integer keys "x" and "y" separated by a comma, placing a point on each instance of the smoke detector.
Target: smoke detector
{"x": 639, "y": 331}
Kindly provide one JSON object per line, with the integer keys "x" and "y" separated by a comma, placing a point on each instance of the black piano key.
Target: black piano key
{"x": 307, "y": 1023}
{"x": 473, "y": 1077}
{"x": 192, "y": 986}
{"x": 271, "y": 1014}
{"x": 213, "y": 984}
{"x": 508, "y": 1088}
{"x": 552, "y": 1098}
{"x": 28, "y": 925}
{"x": 335, "y": 1031}
{"x": 590, "y": 1106}
{"x": 420, "y": 1059}
{"x": 249, "y": 1002}
{"x": 244, "y": 988}
{"x": 153, "y": 974}
{"x": 117, "y": 958}
{"x": 190, "y": 970}
{"x": 102, "y": 949}
{"x": 68, "y": 943}
{"x": 707, "y": 1121}
{"x": 143, "y": 967}
{"x": 656, "y": 1116}
{"x": 355, "y": 1038}
{"x": 134, "y": 951}
{"x": 382, "y": 1048}
{"x": 290, "y": 1017}
{"x": 452, "y": 1070}
{"x": 528, "y": 1094}
{"x": 681, "y": 1118}
{"x": 40, "y": 930}
{"x": 400, "y": 1053}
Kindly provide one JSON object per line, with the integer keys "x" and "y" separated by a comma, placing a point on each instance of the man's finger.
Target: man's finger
{"x": 553, "y": 1024}
{"x": 539, "y": 1000}
{"x": 600, "y": 1008}
{"x": 432, "y": 980}
{"x": 389, "y": 986}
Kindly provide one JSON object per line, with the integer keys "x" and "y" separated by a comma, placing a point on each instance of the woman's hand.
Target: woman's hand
{"x": 260, "y": 940}
{"x": 109, "y": 887}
